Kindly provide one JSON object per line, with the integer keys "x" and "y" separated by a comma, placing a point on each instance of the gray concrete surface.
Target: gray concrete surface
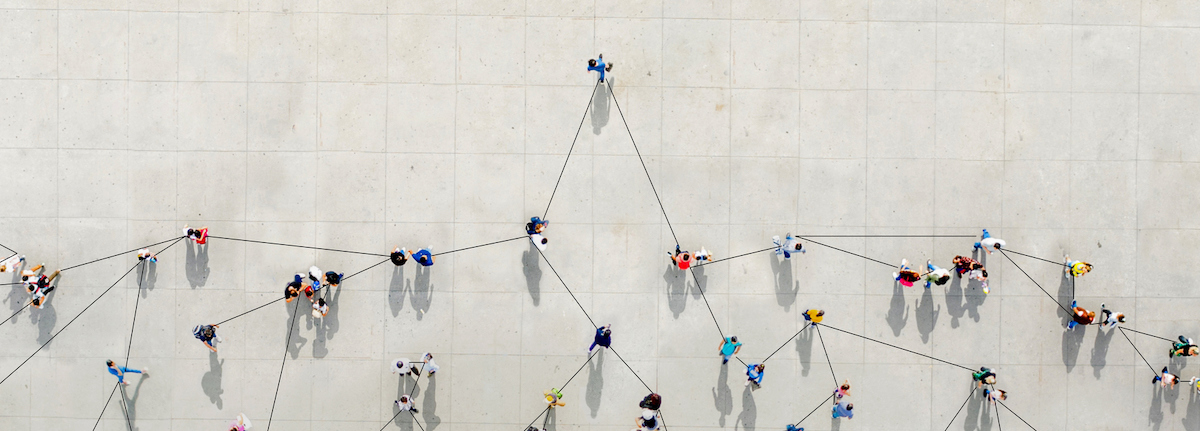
{"x": 1063, "y": 126}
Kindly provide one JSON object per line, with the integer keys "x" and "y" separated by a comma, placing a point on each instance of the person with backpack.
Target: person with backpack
{"x": 936, "y": 275}
{"x": 905, "y": 275}
{"x": 1185, "y": 347}
{"x": 536, "y": 225}
{"x": 652, "y": 401}
{"x": 399, "y": 256}
{"x": 292, "y": 291}
{"x": 984, "y": 375}
{"x": 207, "y": 334}
{"x": 603, "y": 338}
{"x": 554, "y": 398}
{"x": 754, "y": 374}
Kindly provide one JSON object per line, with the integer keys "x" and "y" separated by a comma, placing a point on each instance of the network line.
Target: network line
{"x": 410, "y": 394}
{"x": 119, "y": 254}
{"x": 1039, "y": 285}
{"x": 287, "y": 344}
{"x": 901, "y": 348}
{"x": 571, "y": 150}
{"x": 814, "y": 410}
{"x": 564, "y": 386}
{"x": 132, "y": 326}
{"x": 1139, "y": 352}
{"x": 970, "y": 395}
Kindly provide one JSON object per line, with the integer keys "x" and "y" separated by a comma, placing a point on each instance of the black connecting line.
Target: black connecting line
{"x": 572, "y": 149}
{"x": 1148, "y": 335}
{"x": 251, "y": 310}
{"x": 564, "y": 386}
{"x": 110, "y": 397}
{"x": 1034, "y": 257}
{"x": 14, "y": 252}
{"x": 814, "y": 410}
{"x": 964, "y": 404}
{"x": 480, "y": 245}
{"x": 827, "y": 360}
{"x": 901, "y": 348}
{"x": 286, "y": 345}
{"x": 73, "y": 319}
{"x": 410, "y": 394}
{"x": 1039, "y": 285}
{"x": 132, "y": 326}
{"x": 119, "y": 254}
{"x": 806, "y": 238}
{"x": 15, "y": 314}
{"x": 644, "y": 168}
{"x": 1015, "y": 414}
{"x": 297, "y": 246}
{"x": 789, "y": 340}
{"x": 1139, "y": 352}
{"x": 734, "y": 257}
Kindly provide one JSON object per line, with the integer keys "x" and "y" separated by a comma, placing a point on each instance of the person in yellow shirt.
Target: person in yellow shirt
{"x": 814, "y": 316}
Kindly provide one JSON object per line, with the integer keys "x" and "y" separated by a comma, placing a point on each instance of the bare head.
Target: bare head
{"x": 821, "y": 313}
{"x": 592, "y": 62}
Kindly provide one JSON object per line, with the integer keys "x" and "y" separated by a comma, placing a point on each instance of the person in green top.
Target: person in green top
{"x": 984, "y": 375}
{"x": 729, "y": 347}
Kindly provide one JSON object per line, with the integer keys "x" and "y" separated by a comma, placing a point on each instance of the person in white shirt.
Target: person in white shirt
{"x": 11, "y": 264}
{"x": 936, "y": 274}
{"x": 789, "y": 245}
{"x": 402, "y": 366}
{"x": 405, "y": 403}
{"x": 987, "y": 243}
{"x": 320, "y": 308}
{"x": 647, "y": 422}
{"x": 430, "y": 366}
{"x": 539, "y": 240}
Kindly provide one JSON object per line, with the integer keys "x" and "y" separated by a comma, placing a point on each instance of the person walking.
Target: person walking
{"x": 333, "y": 279}
{"x": 843, "y": 409}
{"x": 652, "y": 401}
{"x": 1109, "y": 318}
{"x": 402, "y": 366}
{"x": 648, "y": 421}
{"x": 681, "y": 259}
{"x": 120, "y": 372}
{"x": 995, "y": 394}
{"x": 425, "y": 256}
{"x": 320, "y": 308}
{"x": 792, "y": 427}
{"x": 984, "y": 375}
{"x": 199, "y": 236}
{"x": 987, "y": 243}
{"x": 145, "y": 255}
{"x": 292, "y": 291}
{"x": 12, "y": 263}
{"x": 1080, "y": 316}
{"x": 1076, "y": 268}
{"x": 729, "y": 347}
{"x": 1194, "y": 383}
{"x": 554, "y": 397}
{"x": 843, "y": 390}
{"x": 813, "y": 315}
{"x": 1166, "y": 378}
{"x": 241, "y": 423}
{"x": 905, "y": 275}
{"x": 430, "y": 367}
{"x": 41, "y": 296}
{"x": 598, "y": 65}
{"x": 603, "y": 338}
{"x": 786, "y": 247}
{"x": 207, "y": 334}
{"x": 539, "y": 241}
{"x": 703, "y": 256}
{"x": 754, "y": 374}
{"x": 1185, "y": 347}
{"x": 536, "y": 225}
{"x": 936, "y": 274}
{"x": 399, "y": 256}
{"x": 405, "y": 404}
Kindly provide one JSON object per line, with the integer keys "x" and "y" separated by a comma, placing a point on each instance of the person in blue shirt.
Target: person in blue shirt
{"x": 843, "y": 410}
{"x": 754, "y": 373}
{"x": 603, "y": 338}
{"x": 535, "y": 225}
{"x": 424, "y": 256}
{"x": 792, "y": 427}
{"x": 598, "y": 65}
{"x": 120, "y": 372}
{"x": 729, "y": 347}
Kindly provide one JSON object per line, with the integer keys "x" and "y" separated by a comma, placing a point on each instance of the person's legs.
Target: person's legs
{"x": 593, "y": 346}
{"x": 53, "y": 275}
{"x": 130, "y": 370}
{"x": 725, "y": 358}
{"x": 986, "y": 234}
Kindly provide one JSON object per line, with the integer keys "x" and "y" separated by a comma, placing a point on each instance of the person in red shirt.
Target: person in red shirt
{"x": 681, "y": 259}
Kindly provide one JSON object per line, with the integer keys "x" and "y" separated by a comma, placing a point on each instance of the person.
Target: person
{"x": 648, "y": 421}
{"x": 1080, "y": 316}
{"x": 995, "y": 394}
{"x": 425, "y": 256}
{"x": 320, "y": 308}
{"x": 936, "y": 274}
{"x": 38, "y": 281}
{"x": 41, "y": 296}
{"x": 292, "y": 291}
{"x": 682, "y": 259}
{"x": 603, "y": 338}
{"x": 1185, "y": 347}
{"x": 1076, "y": 268}
{"x": 399, "y": 256}
{"x": 242, "y": 423}
{"x": 906, "y": 276}
{"x": 199, "y": 236}
{"x": 987, "y": 243}
{"x": 430, "y": 366}
{"x": 703, "y": 256}
{"x": 403, "y": 366}
{"x": 984, "y": 375}
{"x": 652, "y": 401}
{"x": 598, "y": 65}
{"x": 207, "y": 334}
{"x": 729, "y": 347}
{"x": 145, "y": 254}
{"x": 815, "y": 316}
{"x": 536, "y": 225}
{"x": 554, "y": 398}
{"x": 843, "y": 390}
{"x": 788, "y": 246}
{"x": 405, "y": 403}
{"x": 1109, "y": 318}
{"x": 120, "y": 372}
{"x": 313, "y": 289}
{"x": 333, "y": 279}
{"x": 1166, "y": 378}
{"x": 1194, "y": 383}
{"x": 792, "y": 427}
{"x": 11, "y": 263}
{"x": 843, "y": 410}
{"x": 754, "y": 374}
{"x": 963, "y": 264}
{"x": 539, "y": 241}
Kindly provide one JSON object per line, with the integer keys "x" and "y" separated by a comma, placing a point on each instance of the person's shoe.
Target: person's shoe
{"x": 1074, "y": 304}
{"x": 146, "y": 372}
{"x": 414, "y": 410}
{"x": 1102, "y": 306}
{"x": 397, "y": 403}
{"x": 747, "y": 383}
{"x": 896, "y": 275}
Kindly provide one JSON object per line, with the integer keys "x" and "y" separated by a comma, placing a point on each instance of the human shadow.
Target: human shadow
{"x": 972, "y": 295}
{"x": 927, "y": 315}
{"x": 422, "y": 291}
{"x": 46, "y": 317}
{"x": 595, "y": 384}
{"x": 701, "y": 280}
{"x": 749, "y": 414}
{"x": 676, "y": 289}
{"x": 327, "y": 326}
{"x": 1065, "y": 293}
{"x": 211, "y": 381}
{"x": 955, "y": 300}
{"x": 722, "y": 395}
{"x": 897, "y": 316}
{"x": 1155, "y": 416}
{"x": 1072, "y": 341}
{"x": 406, "y": 386}
{"x": 550, "y": 423}
{"x": 786, "y": 288}
{"x": 975, "y": 420}
{"x": 533, "y": 273}
{"x": 1100, "y": 350}
{"x": 17, "y": 297}
{"x": 131, "y": 401}
{"x": 396, "y": 290}
{"x": 1191, "y": 422}
{"x": 147, "y": 276}
{"x": 600, "y": 108}
{"x": 804, "y": 344}
{"x": 429, "y": 404}
{"x": 196, "y": 264}
{"x": 296, "y": 341}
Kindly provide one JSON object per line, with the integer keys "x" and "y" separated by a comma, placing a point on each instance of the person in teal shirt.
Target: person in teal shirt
{"x": 729, "y": 347}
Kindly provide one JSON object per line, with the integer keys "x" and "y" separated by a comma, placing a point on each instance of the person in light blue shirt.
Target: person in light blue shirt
{"x": 729, "y": 347}
{"x": 843, "y": 410}
{"x": 754, "y": 373}
{"x": 120, "y": 371}
{"x": 598, "y": 65}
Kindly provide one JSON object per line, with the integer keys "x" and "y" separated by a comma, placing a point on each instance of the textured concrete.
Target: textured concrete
{"x": 1065, "y": 127}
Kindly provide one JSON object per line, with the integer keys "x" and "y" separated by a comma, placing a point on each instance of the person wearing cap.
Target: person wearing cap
{"x": 603, "y": 338}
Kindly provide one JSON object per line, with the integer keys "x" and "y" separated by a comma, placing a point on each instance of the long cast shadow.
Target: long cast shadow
{"x": 297, "y": 341}
{"x": 131, "y": 401}
{"x": 897, "y": 316}
{"x": 595, "y": 384}
{"x": 600, "y": 108}
{"x": 1100, "y": 350}
{"x": 676, "y": 290}
{"x": 396, "y": 290}
{"x": 722, "y": 395}
{"x": 532, "y": 266}
{"x": 196, "y": 264}
{"x": 927, "y": 315}
{"x": 804, "y": 344}
{"x": 749, "y": 414}
{"x": 786, "y": 288}
{"x": 955, "y": 300}
{"x": 429, "y": 404}
{"x": 422, "y": 291}
{"x": 211, "y": 381}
